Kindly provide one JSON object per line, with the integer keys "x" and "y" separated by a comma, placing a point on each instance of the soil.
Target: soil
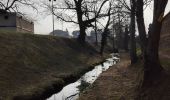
{"x": 122, "y": 82}
{"x": 117, "y": 83}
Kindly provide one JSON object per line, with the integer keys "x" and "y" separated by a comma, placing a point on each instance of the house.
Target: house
{"x": 165, "y": 34}
{"x": 12, "y": 21}
{"x": 60, "y": 33}
{"x": 166, "y": 25}
{"x": 92, "y": 37}
{"x": 76, "y": 33}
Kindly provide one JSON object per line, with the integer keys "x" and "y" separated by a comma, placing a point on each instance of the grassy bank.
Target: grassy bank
{"x": 35, "y": 66}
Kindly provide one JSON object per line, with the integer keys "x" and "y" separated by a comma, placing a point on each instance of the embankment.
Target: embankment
{"x": 33, "y": 67}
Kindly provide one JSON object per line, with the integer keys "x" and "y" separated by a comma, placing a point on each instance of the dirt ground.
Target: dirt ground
{"x": 117, "y": 83}
{"x": 121, "y": 82}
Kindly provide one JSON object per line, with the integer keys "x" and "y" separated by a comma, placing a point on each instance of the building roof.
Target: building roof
{"x": 2, "y": 11}
{"x": 60, "y": 33}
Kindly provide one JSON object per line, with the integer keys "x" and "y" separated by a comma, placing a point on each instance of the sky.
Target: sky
{"x": 148, "y": 14}
{"x": 43, "y": 23}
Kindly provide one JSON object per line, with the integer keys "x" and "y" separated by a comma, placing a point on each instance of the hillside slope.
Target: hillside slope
{"x": 35, "y": 66}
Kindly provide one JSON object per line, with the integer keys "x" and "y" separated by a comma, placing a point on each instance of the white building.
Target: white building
{"x": 92, "y": 37}
{"x": 76, "y": 33}
{"x": 61, "y": 33}
{"x": 11, "y": 21}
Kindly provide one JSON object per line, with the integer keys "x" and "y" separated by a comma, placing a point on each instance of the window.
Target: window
{"x": 6, "y": 17}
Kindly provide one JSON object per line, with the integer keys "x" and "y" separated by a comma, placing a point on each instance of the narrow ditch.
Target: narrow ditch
{"x": 72, "y": 90}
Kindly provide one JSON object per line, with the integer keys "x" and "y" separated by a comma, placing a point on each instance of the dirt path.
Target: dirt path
{"x": 164, "y": 55}
{"x": 120, "y": 81}
{"x": 117, "y": 83}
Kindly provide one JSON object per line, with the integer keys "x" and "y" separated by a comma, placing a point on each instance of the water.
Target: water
{"x": 71, "y": 91}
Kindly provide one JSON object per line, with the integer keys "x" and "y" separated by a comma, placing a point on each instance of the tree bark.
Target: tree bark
{"x": 113, "y": 43}
{"x": 96, "y": 33}
{"x": 105, "y": 33}
{"x": 126, "y": 38}
{"x": 82, "y": 35}
{"x": 152, "y": 67}
{"x": 133, "y": 55}
{"x": 141, "y": 26}
{"x": 103, "y": 41}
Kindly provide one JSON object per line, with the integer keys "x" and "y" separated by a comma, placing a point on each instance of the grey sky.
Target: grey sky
{"x": 44, "y": 24}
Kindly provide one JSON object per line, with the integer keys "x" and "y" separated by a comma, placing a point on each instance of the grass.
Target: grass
{"x": 111, "y": 85}
{"x": 117, "y": 83}
{"x": 122, "y": 82}
{"x": 31, "y": 64}
{"x": 83, "y": 85}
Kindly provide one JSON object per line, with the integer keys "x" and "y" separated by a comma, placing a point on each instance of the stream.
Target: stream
{"x": 72, "y": 90}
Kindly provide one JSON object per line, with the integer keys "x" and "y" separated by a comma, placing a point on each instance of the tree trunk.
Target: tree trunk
{"x": 113, "y": 43}
{"x": 105, "y": 33}
{"x": 133, "y": 55}
{"x": 103, "y": 41}
{"x": 82, "y": 36}
{"x": 126, "y": 38}
{"x": 152, "y": 67}
{"x": 82, "y": 27}
{"x": 96, "y": 33}
{"x": 120, "y": 32}
{"x": 141, "y": 26}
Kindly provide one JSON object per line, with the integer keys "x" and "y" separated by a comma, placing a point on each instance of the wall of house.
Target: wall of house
{"x": 166, "y": 25}
{"x": 165, "y": 35}
{"x": 13, "y": 22}
{"x": 24, "y": 25}
{"x": 92, "y": 37}
{"x": 8, "y": 22}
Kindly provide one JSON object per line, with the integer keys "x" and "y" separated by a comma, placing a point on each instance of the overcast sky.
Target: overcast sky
{"x": 43, "y": 25}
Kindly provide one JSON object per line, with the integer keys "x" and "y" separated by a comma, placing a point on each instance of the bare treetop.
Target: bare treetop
{"x": 14, "y": 5}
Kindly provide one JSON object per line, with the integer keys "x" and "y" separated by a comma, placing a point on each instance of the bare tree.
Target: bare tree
{"x": 105, "y": 33}
{"x": 141, "y": 24}
{"x": 14, "y": 5}
{"x": 152, "y": 66}
{"x": 126, "y": 38}
{"x": 150, "y": 44}
{"x": 133, "y": 54}
{"x": 131, "y": 7}
{"x": 119, "y": 20}
{"x": 81, "y": 12}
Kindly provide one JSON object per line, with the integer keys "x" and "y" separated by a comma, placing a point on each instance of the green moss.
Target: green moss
{"x": 83, "y": 85}
{"x": 138, "y": 51}
{"x": 165, "y": 63}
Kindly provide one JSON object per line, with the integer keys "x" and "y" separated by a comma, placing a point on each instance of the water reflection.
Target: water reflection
{"x": 71, "y": 91}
